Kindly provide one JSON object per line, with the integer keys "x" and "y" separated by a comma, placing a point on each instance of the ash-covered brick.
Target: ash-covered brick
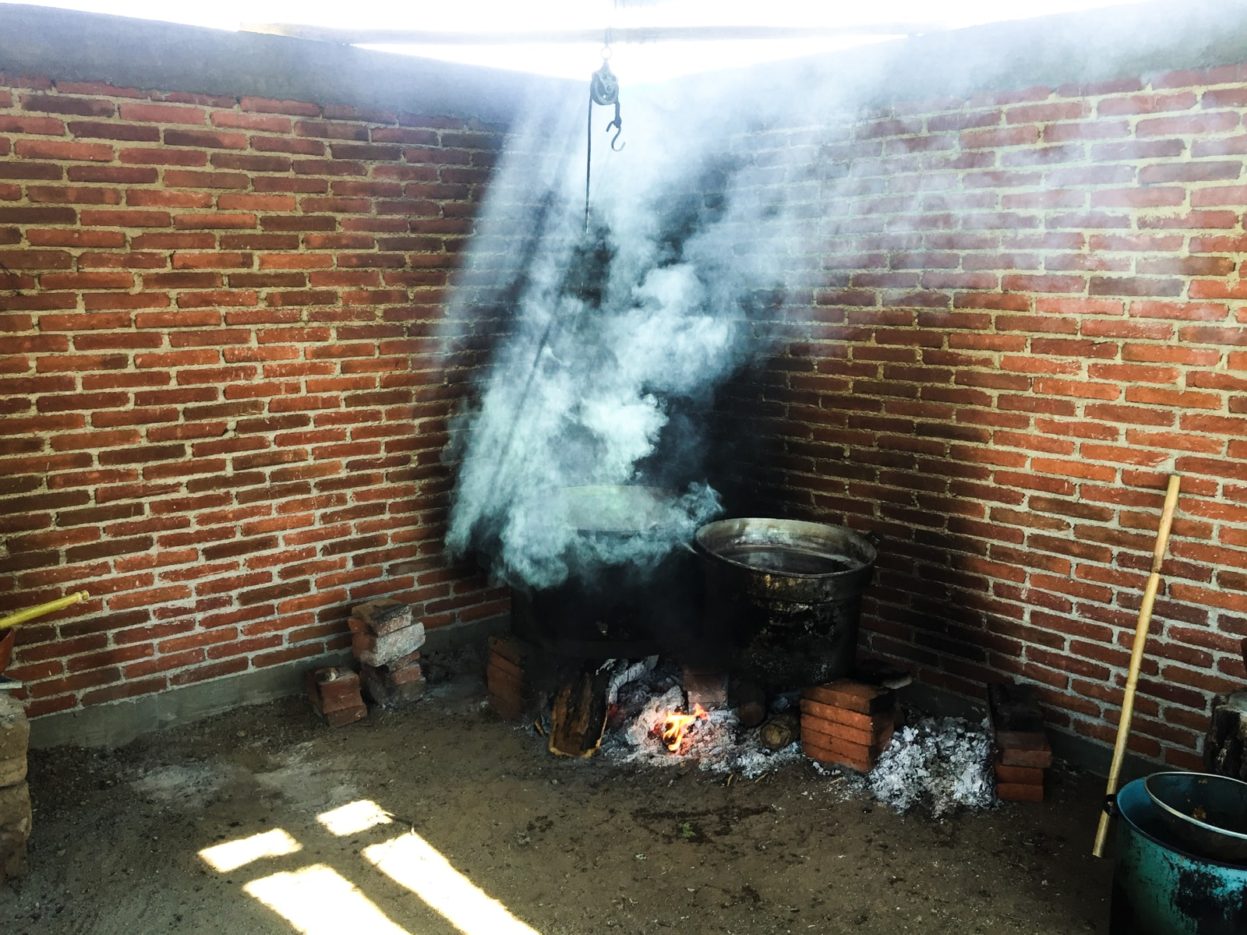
{"x": 399, "y": 683}
{"x": 383, "y": 616}
{"x": 374, "y": 650}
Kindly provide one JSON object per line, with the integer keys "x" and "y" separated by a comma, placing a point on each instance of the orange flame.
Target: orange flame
{"x": 675, "y": 726}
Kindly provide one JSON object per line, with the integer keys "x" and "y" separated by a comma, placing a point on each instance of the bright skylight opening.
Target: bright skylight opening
{"x": 840, "y": 27}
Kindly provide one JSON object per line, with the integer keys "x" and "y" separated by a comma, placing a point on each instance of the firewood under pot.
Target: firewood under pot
{"x": 780, "y": 731}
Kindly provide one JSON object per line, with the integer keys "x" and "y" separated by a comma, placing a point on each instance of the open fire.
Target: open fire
{"x": 675, "y": 726}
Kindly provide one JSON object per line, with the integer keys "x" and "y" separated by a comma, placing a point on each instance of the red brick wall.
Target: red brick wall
{"x": 1029, "y": 311}
{"x": 223, "y": 386}
{"x": 225, "y": 389}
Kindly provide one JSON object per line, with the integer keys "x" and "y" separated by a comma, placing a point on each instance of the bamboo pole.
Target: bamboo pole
{"x": 1136, "y": 657}
{"x": 30, "y": 613}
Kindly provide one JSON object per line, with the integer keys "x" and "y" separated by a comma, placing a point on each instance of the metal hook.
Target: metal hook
{"x": 617, "y": 123}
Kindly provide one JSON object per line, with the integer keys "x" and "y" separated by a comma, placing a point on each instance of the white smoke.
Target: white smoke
{"x": 616, "y": 327}
{"x": 707, "y": 221}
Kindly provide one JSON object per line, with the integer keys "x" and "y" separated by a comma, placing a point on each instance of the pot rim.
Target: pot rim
{"x": 808, "y": 525}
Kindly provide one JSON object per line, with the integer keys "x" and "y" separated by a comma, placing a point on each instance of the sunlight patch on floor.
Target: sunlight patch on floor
{"x": 317, "y": 900}
{"x": 231, "y": 855}
{"x": 412, "y": 862}
{"x": 353, "y": 818}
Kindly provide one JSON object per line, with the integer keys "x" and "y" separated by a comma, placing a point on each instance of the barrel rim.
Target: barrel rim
{"x": 1191, "y": 820}
{"x": 1136, "y": 789}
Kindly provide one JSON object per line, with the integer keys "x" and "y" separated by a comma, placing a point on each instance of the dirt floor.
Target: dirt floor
{"x": 488, "y": 835}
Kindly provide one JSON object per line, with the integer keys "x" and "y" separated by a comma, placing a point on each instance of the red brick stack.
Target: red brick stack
{"x": 848, "y": 722}
{"x": 15, "y": 816}
{"x": 386, "y": 639}
{"x": 334, "y": 693}
{"x": 505, "y": 678}
{"x": 1023, "y": 753}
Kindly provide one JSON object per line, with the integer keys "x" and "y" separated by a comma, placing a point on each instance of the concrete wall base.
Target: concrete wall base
{"x": 115, "y": 724}
{"x": 112, "y": 725}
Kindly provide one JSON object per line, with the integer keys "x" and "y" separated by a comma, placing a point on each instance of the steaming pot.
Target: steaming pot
{"x": 787, "y": 595}
{"x": 614, "y": 609}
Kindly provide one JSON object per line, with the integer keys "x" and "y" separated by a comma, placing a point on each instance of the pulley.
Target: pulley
{"x": 603, "y": 90}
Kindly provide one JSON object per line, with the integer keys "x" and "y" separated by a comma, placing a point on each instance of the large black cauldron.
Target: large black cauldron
{"x": 612, "y": 607}
{"x": 786, "y": 595}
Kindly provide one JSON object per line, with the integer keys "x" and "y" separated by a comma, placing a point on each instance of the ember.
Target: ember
{"x": 675, "y": 726}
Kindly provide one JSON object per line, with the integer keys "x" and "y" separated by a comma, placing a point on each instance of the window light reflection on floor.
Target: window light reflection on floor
{"x": 353, "y": 818}
{"x": 413, "y": 863}
{"x": 231, "y": 855}
{"x": 317, "y": 900}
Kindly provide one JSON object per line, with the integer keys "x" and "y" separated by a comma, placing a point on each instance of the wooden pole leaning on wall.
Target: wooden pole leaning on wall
{"x": 1136, "y": 658}
{"x": 30, "y": 613}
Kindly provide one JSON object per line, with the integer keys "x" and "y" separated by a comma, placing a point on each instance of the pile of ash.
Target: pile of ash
{"x": 939, "y": 765}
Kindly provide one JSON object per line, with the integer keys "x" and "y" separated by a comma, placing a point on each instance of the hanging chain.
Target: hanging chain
{"x": 603, "y": 89}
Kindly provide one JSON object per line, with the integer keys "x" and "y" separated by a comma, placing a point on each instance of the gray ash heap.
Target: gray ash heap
{"x": 938, "y": 765}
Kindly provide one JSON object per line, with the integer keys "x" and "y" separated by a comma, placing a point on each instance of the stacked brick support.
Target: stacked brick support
{"x": 1025, "y": 310}
{"x": 225, "y": 377}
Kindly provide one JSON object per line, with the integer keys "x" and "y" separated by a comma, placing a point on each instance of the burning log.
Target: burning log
{"x": 749, "y": 700}
{"x": 675, "y": 727}
{"x": 578, "y": 716}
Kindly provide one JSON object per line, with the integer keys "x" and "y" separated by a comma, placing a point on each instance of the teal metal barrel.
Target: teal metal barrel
{"x": 1161, "y": 889}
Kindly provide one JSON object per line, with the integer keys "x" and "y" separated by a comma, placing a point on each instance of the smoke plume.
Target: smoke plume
{"x": 622, "y": 326}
